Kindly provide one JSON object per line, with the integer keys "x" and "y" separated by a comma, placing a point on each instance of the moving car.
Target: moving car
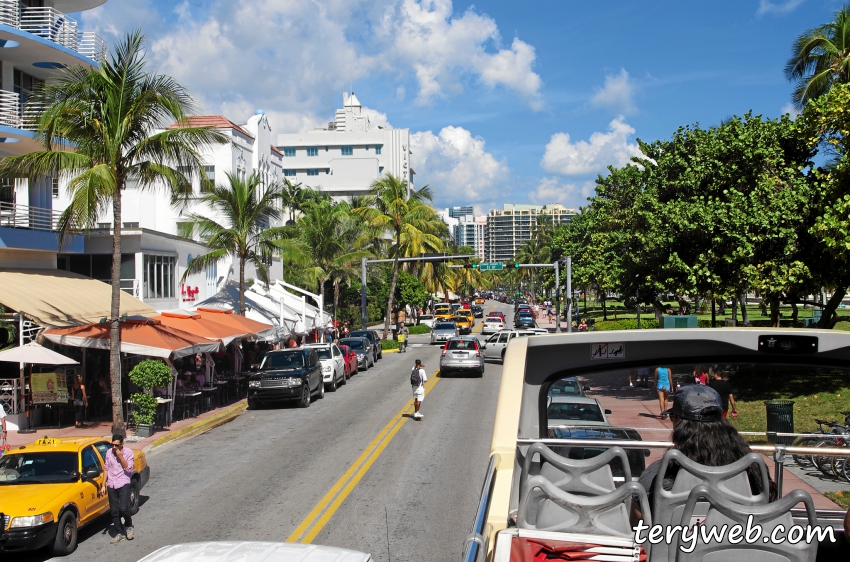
{"x": 254, "y": 551}
{"x": 373, "y": 338}
{"x": 350, "y": 357}
{"x": 426, "y": 320}
{"x": 497, "y": 314}
{"x": 444, "y": 331}
{"x": 636, "y": 457}
{"x": 333, "y": 364}
{"x": 363, "y": 348}
{"x": 463, "y": 323}
{"x": 51, "y": 488}
{"x": 567, "y": 387}
{"x": 492, "y": 325}
{"x": 494, "y": 347}
{"x": 285, "y": 375}
{"x": 443, "y": 311}
{"x": 467, "y": 313}
{"x": 525, "y": 319}
{"x": 565, "y": 410}
{"x": 462, "y": 354}
{"x": 477, "y": 311}
{"x": 480, "y": 300}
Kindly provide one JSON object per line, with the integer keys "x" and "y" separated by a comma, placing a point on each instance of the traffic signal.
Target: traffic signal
{"x": 470, "y": 265}
{"x": 512, "y": 265}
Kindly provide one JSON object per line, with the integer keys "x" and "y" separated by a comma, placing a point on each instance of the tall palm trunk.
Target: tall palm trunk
{"x": 114, "y": 326}
{"x": 242, "y": 285}
{"x": 336, "y": 296}
{"x": 392, "y": 285}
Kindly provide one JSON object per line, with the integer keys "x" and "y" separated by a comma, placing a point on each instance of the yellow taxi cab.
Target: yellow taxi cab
{"x": 479, "y": 300}
{"x": 51, "y": 488}
{"x": 442, "y": 311}
{"x": 467, "y": 313}
{"x": 463, "y": 323}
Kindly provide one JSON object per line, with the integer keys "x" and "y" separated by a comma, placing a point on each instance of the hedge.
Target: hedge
{"x": 389, "y": 344}
{"x": 420, "y": 329}
{"x": 625, "y": 324}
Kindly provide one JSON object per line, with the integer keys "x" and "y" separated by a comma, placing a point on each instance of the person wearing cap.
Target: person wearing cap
{"x": 702, "y": 433}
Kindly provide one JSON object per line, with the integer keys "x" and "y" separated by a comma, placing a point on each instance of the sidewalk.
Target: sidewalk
{"x": 178, "y": 429}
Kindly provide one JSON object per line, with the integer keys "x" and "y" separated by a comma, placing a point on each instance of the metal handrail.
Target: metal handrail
{"x": 92, "y": 46}
{"x": 475, "y": 542}
{"x": 10, "y": 107}
{"x": 51, "y": 24}
{"x": 22, "y": 216}
{"x": 10, "y": 13}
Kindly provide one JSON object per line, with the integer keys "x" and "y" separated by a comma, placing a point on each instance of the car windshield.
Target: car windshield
{"x": 565, "y": 386}
{"x": 425, "y": 317}
{"x": 323, "y": 352}
{"x": 444, "y": 326}
{"x": 525, "y": 314}
{"x": 494, "y": 320}
{"x": 354, "y": 344}
{"x": 463, "y": 344}
{"x": 571, "y": 411}
{"x": 293, "y": 360}
{"x": 37, "y": 468}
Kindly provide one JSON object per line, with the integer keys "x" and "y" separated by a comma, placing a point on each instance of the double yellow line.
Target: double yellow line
{"x": 316, "y": 520}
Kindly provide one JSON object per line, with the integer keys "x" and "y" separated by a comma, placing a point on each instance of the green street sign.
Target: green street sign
{"x": 490, "y": 266}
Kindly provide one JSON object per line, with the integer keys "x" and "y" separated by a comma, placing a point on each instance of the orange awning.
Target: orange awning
{"x": 139, "y": 335}
{"x": 227, "y": 317}
{"x": 202, "y": 325}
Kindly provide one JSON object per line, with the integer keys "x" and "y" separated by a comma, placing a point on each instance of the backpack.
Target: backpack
{"x": 415, "y": 377}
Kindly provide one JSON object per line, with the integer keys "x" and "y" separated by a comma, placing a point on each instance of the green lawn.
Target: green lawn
{"x": 841, "y": 498}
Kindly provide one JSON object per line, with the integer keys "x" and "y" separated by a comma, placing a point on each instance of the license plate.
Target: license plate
{"x": 462, "y": 354}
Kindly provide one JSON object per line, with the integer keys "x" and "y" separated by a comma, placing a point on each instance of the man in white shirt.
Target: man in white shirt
{"x": 417, "y": 382}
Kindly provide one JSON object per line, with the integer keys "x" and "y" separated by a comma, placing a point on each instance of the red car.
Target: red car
{"x": 497, "y": 314}
{"x": 350, "y": 360}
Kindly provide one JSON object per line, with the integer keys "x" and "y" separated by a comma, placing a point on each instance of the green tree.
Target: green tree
{"x": 111, "y": 116}
{"x": 247, "y": 208}
{"x": 820, "y": 58}
{"x": 392, "y": 206}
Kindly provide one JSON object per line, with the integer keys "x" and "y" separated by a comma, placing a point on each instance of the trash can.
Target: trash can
{"x": 780, "y": 419}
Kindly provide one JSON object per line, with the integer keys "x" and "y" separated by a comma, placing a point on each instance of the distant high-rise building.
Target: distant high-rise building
{"x": 511, "y": 227}
{"x": 458, "y": 212}
{"x": 470, "y": 232}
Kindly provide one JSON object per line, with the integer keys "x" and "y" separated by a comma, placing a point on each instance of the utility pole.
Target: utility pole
{"x": 569, "y": 295}
{"x": 557, "y": 297}
{"x": 363, "y": 317}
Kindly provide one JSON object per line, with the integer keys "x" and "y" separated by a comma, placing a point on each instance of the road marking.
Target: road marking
{"x": 319, "y": 516}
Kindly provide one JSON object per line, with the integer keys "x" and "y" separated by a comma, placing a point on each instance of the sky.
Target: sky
{"x": 506, "y": 101}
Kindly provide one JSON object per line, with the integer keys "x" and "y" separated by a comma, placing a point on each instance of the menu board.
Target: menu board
{"x": 48, "y": 388}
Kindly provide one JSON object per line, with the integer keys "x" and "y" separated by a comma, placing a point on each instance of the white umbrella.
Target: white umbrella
{"x": 37, "y": 354}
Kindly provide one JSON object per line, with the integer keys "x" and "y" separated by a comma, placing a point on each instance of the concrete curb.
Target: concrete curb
{"x": 211, "y": 422}
{"x": 389, "y": 351}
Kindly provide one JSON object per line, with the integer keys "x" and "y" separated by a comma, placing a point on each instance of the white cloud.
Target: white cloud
{"x": 376, "y": 118}
{"x": 441, "y": 48}
{"x": 552, "y": 190}
{"x": 769, "y": 7}
{"x": 617, "y": 94}
{"x": 791, "y": 109}
{"x": 583, "y": 157}
{"x": 456, "y": 166}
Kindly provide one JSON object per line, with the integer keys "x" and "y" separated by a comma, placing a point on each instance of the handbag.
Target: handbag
{"x": 78, "y": 402}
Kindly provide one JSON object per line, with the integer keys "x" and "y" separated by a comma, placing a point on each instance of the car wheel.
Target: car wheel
{"x": 481, "y": 372}
{"x": 253, "y": 404}
{"x": 134, "y": 497}
{"x": 304, "y": 402}
{"x": 503, "y": 356}
{"x": 321, "y": 390}
{"x": 381, "y": 354}
{"x": 66, "y": 535}
{"x": 332, "y": 386}
{"x": 344, "y": 379}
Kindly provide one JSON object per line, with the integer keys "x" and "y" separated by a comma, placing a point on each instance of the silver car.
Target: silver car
{"x": 444, "y": 331}
{"x": 494, "y": 347}
{"x": 575, "y": 410}
{"x": 462, "y": 354}
{"x": 493, "y": 325}
{"x": 254, "y": 552}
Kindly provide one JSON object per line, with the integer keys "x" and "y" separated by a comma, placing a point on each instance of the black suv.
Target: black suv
{"x": 288, "y": 374}
{"x": 373, "y": 338}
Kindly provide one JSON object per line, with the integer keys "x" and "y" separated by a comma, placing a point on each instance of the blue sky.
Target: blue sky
{"x": 507, "y": 102}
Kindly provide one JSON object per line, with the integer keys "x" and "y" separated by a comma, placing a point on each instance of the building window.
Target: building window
{"x": 378, "y": 149}
{"x": 326, "y": 149}
{"x": 347, "y": 150}
{"x": 380, "y": 170}
{"x": 289, "y": 151}
{"x": 25, "y": 84}
{"x": 210, "y": 173}
{"x": 312, "y": 151}
{"x": 289, "y": 173}
{"x": 159, "y": 277}
{"x": 104, "y": 225}
{"x": 54, "y": 186}
{"x": 131, "y": 225}
{"x": 312, "y": 172}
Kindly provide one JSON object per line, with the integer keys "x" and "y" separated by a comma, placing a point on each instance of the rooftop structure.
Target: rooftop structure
{"x": 458, "y": 212}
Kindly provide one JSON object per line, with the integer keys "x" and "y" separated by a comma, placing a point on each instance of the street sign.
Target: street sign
{"x": 490, "y": 266}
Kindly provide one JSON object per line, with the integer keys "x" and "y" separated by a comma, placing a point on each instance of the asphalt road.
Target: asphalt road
{"x": 409, "y": 496}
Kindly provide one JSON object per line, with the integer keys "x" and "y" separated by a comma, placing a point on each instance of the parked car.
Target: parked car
{"x": 462, "y": 354}
{"x": 287, "y": 374}
{"x": 637, "y": 457}
{"x": 253, "y": 551}
{"x": 350, "y": 356}
{"x": 363, "y": 348}
{"x": 525, "y": 319}
{"x": 541, "y": 331}
{"x": 492, "y": 325}
{"x": 564, "y": 410}
{"x": 426, "y": 320}
{"x": 444, "y": 331}
{"x": 51, "y": 489}
{"x": 498, "y": 314}
{"x": 567, "y": 387}
{"x": 494, "y": 347}
{"x": 333, "y": 364}
{"x": 463, "y": 323}
{"x": 477, "y": 311}
{"x": 373, "y": 337}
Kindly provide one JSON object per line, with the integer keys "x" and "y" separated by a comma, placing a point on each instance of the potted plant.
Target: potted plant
{"x": 147, "y": 375}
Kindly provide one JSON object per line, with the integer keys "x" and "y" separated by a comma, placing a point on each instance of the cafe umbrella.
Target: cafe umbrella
{"x": 34, "y": 354}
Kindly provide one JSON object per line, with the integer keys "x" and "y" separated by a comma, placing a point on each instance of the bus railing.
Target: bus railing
{"x": 473, "y": 547}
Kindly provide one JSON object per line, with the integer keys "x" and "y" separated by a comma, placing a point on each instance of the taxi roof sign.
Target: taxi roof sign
{"x": 48, "y": 441}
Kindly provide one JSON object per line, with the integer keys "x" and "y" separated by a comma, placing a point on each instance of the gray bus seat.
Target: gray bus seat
{"x": 725, "y": 512}
{"x": 590, "y": 477}
{"x": 554, "y": 510}
{"x": 730, "y": 481}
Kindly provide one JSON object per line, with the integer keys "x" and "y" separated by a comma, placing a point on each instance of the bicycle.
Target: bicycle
{"x": 841, "y": 465}
{"x": 837, "y": 437}
{"x": 809, "y": 441}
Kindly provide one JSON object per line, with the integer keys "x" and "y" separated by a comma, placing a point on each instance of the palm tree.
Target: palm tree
{"x": 392, "y": 206}
{"x": 248, "y": 208}
{"x": 110, "y": 116}
{"x": 291, "y": 198}
{"x": 820, "y": 58}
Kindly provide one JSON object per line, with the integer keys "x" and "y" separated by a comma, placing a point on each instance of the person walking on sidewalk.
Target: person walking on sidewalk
{"x": 81, "y": 401}
{"x": 403, "y": 334}
{"x": 724, "y": 389}
{"x": 662, "y": 385}
{"x": 418, "y": 378}
{"x": 116, "y": 481}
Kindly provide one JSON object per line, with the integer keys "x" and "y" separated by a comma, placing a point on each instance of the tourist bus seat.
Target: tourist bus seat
{"x": 723, "y": 511}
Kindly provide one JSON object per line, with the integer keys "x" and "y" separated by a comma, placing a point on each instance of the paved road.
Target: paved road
{"x": 259, "y": 477}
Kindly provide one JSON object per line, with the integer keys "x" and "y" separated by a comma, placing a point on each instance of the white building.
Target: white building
{"x": 511, "y": 227}
{"x": 449, "y": 221}
{"x": 347, "y": 156}
{"x": 470, "y": 231}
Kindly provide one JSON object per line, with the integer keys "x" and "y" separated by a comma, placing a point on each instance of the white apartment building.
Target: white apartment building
{"x": 509, "y": 228}
{"x": 344, "y": 158}
{"x": 470, "y": 231}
